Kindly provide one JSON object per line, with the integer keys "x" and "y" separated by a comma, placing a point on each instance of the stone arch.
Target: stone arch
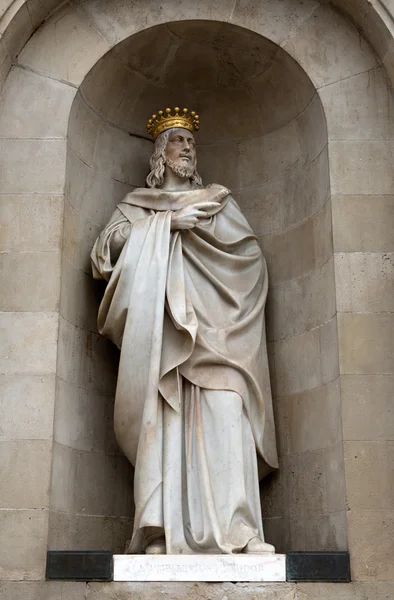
{"x": 50, "y": 68}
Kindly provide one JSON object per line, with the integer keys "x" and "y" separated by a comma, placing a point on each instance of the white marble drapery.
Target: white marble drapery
{"x": 186, "y": 308}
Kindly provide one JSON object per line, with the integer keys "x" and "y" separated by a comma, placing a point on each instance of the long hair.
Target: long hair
{"x": 157, "y": 163}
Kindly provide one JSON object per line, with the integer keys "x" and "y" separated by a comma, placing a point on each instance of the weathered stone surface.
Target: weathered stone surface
{"x": 25, "y": 467}
{"x": 42, "y": 109}
{"x": 191, "y": 591}
{"x": 363, "y": 223}
{"x": 375, "y": 491}
{"x": 78, "y": 46}
{"x": 24, "y": 554}
{"x": 367, "y": 412}
{"x": 42, "y": 590}
{"x": 370, "y": 534}
{"x": 36, "y": 394}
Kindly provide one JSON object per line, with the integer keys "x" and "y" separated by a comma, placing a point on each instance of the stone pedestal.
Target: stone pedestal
{"x": 201, "y": 567}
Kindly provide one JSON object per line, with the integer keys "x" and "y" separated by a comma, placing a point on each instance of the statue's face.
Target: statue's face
{"x": 181, "y": 150}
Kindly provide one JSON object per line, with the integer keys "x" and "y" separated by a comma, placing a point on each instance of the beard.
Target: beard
{"x": 184, "y": 171}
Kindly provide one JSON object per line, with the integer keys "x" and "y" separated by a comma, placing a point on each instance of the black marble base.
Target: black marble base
{"x": 80, "y": 566}
{"x": 318, "y": 566}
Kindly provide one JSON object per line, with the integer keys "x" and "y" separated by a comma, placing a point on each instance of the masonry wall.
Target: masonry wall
{"x": 351, "y": 83}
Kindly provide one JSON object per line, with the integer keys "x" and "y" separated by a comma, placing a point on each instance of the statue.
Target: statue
{"x": 184, "y": 302}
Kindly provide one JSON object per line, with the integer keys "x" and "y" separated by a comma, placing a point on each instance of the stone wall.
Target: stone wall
{"x": 351, "y": 83}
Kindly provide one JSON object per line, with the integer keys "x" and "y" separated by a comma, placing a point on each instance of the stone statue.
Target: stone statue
{"x": 184, "y": 302}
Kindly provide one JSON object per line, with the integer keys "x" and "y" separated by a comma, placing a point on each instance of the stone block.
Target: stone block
{"x": 18, "y": 31}
{"x": 277, "y": 532}
{"x": 34, "y": 106}
{"x": 335, "y": 479}
{"x": 83, "y": 130}
{"x": 306, "y": 489}
{"x": 371, "y": 545}
{"x": 329, "y": 350}
{"x": 84, "y": 419}
{"x": 297, "y": 363}
{"x": 42, "y": 590}
{"x": 299, "y": 250}
{"x": 365, "y": 282}
{"x": 378, "y": 590}
{"x": 117, "y": 21}
{"x": 388, "y": 61}
{"x": 112, "y": 89}
{"x": 312, "y": 418}
{"x": 306, "y": 191}
{"x": 312, "y": 129}
{"x": 367, "y": 407}
{"x": 270, "y": 157}
{"x": 359, "y": 108}
{"x": 86, "y": 532}
{"x": 103, "y": 485}
{"x": 80, "y": 297}
{"x": 31, "y": 223}
{"x": 32, "y": 166}
{"x": 237, "y": 107}
{"x": 322, "y": 41}
{"x": 225, "y": 170}
{"x": 93, "y": 194}
{"x": 121, "y": 156}
{"x": 5, "y": 62}
{"x": 63, "y": 478}
{"x": 25, "y": 470}
{"x": 271, "y": 19}
{"x": 78, "y": 46}
{"x": 79, "y": 236}
{"x": 375, "y": 28}
{"x": 191, "y": 591}
{"x": 23, "y": 556}
{"x": 28, "y": 342}
{"x": 369, "y": 468}
{"x": 363, "y": 223}
{"x": 263, "y": 206}
{"x": 301, "y": 304}
{"x": 86, "y": 359}
{"x": 363, "y": 167}
{"x": 282, "y": 91}
{"x": 37, "y": 272}
{"x": 27, "y": 406}
{"x": 40, "y": 10}
{"x": 324, "y": 531}
{"x": 366, "y": 343}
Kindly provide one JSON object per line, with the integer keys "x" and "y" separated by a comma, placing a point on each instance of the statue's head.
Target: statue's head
{"x": 175, "y": 147}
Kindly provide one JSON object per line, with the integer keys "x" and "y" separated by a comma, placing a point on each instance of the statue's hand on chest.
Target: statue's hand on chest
{"x": 190, "y": 216}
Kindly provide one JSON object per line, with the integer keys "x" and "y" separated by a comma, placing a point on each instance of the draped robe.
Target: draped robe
{"x": 193, "y": 407}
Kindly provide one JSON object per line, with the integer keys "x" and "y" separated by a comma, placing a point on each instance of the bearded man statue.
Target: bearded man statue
{"x": 184, "y": 302}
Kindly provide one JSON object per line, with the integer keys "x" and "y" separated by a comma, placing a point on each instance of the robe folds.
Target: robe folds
{"x": 193, "y": 407}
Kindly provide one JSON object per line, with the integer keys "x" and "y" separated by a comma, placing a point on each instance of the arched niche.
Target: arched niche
{"x": 263, "y": 135}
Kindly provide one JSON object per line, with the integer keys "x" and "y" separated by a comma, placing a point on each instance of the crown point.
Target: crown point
{"x": 196, "y": 117}
{"x": 192, "y": 113}
{"x": 177, "y": 109}
{"x": 150, "y": 121}
{"x": 153, "y": 117}
{"x": 185, "y": 111}
{"x": 160, "y": 112}
{"x": 168, "y": 110}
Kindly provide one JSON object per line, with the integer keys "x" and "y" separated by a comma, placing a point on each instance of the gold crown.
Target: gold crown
{"x": 157, "y": 124}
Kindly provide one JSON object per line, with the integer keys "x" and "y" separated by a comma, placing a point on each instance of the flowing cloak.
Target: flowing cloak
{"x": 182, "y": 304}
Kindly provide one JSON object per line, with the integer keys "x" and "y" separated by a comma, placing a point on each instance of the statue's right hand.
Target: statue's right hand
{"x": 189, "y": 216}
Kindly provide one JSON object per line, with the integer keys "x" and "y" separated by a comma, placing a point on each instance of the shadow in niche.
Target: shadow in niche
{"x": 263, "y": 135}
